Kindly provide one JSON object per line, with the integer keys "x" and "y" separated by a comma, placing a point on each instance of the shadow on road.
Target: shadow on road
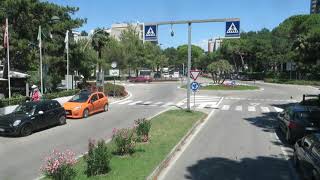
{"x": 261, "y": 168}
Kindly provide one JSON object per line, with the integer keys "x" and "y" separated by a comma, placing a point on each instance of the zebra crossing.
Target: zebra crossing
{"x": 204, "y": 102}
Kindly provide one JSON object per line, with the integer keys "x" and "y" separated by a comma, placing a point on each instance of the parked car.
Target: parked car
{"x": 298, "y": 120}
{"x": 166, "y": 75}
{"x": 311, "y": 100}
{"x": 141, "y": 79}
{"x": 306, "y": 156}
{"x": 86, "y": 103}
{"x": 31, "y": 116}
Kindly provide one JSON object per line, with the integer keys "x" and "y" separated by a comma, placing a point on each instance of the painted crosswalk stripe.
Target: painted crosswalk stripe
{"x": 265, "y": 109}
{"x": 278, "y": 109}
{"x": 156, "y": 104}
{"x": 251, "y": 108}
{"x": 168, "y": 104}
{"x": 180, "y": 104}
{"x": 126, "y": 102}
{"x": 134, "y": 103}
{"x": 238, "y": 108}
{"x": 225, "y": 107}
{"x": 147, "y": 103}
{"x": 203, "y": 105}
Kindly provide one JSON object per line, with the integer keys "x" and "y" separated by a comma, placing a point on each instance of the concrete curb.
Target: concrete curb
{"x": 156, "y": 172}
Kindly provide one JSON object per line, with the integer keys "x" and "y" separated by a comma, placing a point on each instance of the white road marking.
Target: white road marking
{"x": 134, "y": 103}
{"x": 225, "y": 107}
{"x": 125, "y": 102}
{"x": 168, "y": 104}
{"x": 278, "y": 109}
{"x": 147, "y": 103}
{"x": 203, "y": 105}
{"x": 251, "y": 108}
{"x": 238, "y": 108}
{"x": 180, "y": 104}
{"x": 157, "y": 104}
{"x": 164, "y": 172}
{"x": 265, "y": 109}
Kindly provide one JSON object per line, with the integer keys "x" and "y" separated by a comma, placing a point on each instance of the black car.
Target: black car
{"x": 31, "y": 116}
{"x": 298, "y": 120}
{"x": 306, "y": 156}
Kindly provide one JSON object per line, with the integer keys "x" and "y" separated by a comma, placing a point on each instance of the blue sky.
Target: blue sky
{"x": 254, "y": 15}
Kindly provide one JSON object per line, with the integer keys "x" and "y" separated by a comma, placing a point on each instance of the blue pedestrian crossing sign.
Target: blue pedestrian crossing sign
{"x": 233, "y": 29}
{"x": 194, "y": 86}
{"x": 150, "y": 33}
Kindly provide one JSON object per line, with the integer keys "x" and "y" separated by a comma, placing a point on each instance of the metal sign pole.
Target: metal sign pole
{"x": 189, "y": 66}
{"x": 194, "y": 99}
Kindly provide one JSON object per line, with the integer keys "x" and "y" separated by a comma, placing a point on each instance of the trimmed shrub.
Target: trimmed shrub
{"x": 123, "y": 140}
{"x": 98, "y": 158}
{"x": 119, "y": 90}
{"x": 59, "y": 165}
{"x": 142, "y": 129}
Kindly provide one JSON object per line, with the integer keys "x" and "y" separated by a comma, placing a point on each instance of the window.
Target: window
{"x": 94, "y": 98}
{"x": 100, "y": 95}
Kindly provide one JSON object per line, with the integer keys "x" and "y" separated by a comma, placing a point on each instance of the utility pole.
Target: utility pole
{"x": 189, "y": 66}
{"x": 40, "y": 50}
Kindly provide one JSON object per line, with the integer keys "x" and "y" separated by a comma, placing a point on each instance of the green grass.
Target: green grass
{"x": 297, "y": 82}
{"x": 223, "y": 87}
{"x": 166, "y": 131}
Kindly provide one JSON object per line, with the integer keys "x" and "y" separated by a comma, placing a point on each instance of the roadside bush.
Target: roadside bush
{"x": 119, "y": 90}
{"x": 60, "y": 94}
{"x": 142, "y": 129}
{"x": 123, "y": 140}
{"x": 98, "y": 158}
{"x": 59, "y": 165}
{"x": 12, "y": 101}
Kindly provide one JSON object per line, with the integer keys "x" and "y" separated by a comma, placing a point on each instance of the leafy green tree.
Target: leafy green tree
{"x": 196, "y": 53}
{"x": 25, "y": 16}
{"x": 219, "y": 71}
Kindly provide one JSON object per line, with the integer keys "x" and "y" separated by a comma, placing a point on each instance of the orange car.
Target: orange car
{"x": 86, "y": 103}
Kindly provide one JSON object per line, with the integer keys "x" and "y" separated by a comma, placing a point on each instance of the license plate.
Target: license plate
{"x": 67, "y": 112}
{"x": 1, "y": 130}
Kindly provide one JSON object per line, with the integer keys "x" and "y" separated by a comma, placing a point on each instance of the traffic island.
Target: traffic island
{"x": 168, "y": 129}
{"x": 227, "y": 87}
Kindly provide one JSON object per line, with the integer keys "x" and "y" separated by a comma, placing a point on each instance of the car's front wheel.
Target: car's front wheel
{"x": 62, "y": 120}
{"x": 26, "y": 130}
{"x": 85, "y": 113}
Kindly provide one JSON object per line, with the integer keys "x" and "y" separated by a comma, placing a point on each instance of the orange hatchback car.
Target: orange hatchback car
{"x": 86, "y": 103}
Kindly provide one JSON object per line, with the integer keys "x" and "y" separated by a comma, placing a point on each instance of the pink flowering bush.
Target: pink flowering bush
{"x": 59, "y": 165}
{"x": 142, "y": 127}
{"x": 124, "y": 140}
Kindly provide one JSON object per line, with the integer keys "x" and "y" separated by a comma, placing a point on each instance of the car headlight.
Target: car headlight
{"x": 77, "y": 108}
{"x": 16, "y": 123}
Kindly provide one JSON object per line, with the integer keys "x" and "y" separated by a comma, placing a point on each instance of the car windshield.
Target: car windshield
{"x": 82, "y": 97}
{"x": 309, "y": 116}
{"x": 27, "y": 108}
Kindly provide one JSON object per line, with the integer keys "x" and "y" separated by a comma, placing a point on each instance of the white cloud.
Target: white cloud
{"x": 203, "y": 44}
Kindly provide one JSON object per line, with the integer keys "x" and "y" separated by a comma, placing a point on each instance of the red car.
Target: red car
{"x": 141, "y": 79}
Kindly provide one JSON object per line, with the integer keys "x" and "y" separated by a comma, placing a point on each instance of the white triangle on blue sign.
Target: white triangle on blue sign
{"x": 232, "y": 29}
{"x": 150, "y": 32}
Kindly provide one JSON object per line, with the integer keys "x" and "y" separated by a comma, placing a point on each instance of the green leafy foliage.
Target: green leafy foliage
{"x": 142, "y": 127}
{"x": 98, "y": 158}
{"x": 124, "y": 141}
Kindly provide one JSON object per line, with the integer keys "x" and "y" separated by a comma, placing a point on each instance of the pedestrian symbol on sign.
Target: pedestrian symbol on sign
{"x": 150, "y": 32}
{"x": 233, "y": 29}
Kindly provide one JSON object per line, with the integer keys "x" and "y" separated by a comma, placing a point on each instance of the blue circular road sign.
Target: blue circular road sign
{"x": 194, "y": 86}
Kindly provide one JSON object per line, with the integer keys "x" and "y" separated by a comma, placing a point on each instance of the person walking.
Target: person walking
{"x": 35, "y": 93}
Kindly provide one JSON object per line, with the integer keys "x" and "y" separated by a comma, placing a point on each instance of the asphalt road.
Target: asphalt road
{"x": 239, "y": 141}
{"x": 236, "y": 143}
{"x": 22, "y": 157}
